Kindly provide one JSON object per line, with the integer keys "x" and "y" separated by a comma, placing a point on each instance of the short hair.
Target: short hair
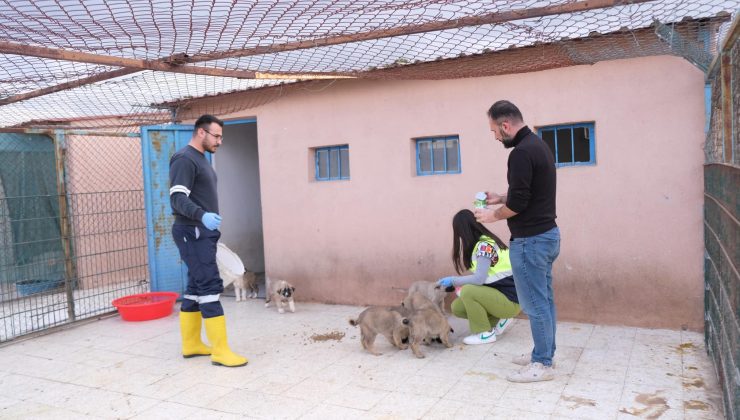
{"x": 505, "y": 109}
{"x": 205, "y": 120}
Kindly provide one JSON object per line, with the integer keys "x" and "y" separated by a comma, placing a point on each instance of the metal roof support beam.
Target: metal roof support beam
{"x": 67, "y": 85}
{"x": 66, "y": 131}
{"x": 170, "y": 64}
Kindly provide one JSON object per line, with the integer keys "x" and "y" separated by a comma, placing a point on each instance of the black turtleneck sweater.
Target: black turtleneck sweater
{"x": 532, "y": 182}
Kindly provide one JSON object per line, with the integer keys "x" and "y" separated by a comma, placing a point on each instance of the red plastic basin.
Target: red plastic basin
{"x": 145, "y": 306}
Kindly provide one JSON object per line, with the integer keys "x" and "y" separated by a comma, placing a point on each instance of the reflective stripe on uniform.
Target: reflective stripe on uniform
{"x": 203, "y": 299}
{"x": 208, "y": 298}
{"x": 180, "y": 188}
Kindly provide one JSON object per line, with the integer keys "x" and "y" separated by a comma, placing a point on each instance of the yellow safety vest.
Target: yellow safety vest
{"x": 500, "y": 267}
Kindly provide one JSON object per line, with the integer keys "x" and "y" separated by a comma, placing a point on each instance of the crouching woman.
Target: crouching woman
{"x": 487, "y": 297}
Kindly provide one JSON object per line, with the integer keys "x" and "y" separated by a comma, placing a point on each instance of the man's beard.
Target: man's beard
{"x": 508, "y": 142}
{"x": 209, "y": 148}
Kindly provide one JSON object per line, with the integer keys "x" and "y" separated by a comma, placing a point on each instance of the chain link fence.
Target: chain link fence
{"x": 72, "y": 227}
{"x": 721, "y": 226}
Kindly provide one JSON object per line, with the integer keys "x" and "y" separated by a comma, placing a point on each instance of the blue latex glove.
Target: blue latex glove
{"x": 445, "y": 282}
{"x": 211, "y": 221}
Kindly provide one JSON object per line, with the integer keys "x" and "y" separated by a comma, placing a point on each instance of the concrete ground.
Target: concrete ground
{"x": 310, "y": 365}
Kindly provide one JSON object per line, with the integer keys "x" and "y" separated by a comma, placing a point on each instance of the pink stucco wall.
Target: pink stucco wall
{"x": 631, "y": 225}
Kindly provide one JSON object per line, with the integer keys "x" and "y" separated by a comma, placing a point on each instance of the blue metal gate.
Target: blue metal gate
{"x": 158, "y": 143}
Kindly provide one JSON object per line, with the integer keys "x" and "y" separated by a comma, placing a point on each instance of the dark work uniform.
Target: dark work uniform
{"x": 192, "y": 194}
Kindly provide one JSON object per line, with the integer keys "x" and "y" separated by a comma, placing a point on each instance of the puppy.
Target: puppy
{"x": 419, "y": 307}
{"x": 416, "y": 301}
{"x": 385, "y": 321}
{"x": 281, "y": 292}
{"x": 247, "y": 282}
{"x": 427, "y": 324}
{"x": 431, "y": 291}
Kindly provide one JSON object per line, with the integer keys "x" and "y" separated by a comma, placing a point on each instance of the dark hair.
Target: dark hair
{"x": 466, "y": 232}
{"x": 205, "y": 120}
{"x": 505, "y": 109}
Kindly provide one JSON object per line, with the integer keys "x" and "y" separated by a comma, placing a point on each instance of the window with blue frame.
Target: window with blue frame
{"x": 332, "y": 163}
{"x": 571, "y": 144}
{"x": 438, "y": 155}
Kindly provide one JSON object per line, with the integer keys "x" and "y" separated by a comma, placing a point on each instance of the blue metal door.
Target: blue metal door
{"x": 158, "y": 143}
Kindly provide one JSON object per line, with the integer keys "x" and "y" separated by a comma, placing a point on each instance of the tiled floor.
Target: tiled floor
{"x": 117, "y": 369}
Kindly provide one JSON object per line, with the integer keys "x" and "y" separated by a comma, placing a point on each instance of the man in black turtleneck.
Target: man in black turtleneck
{"x": 529, "y": 208}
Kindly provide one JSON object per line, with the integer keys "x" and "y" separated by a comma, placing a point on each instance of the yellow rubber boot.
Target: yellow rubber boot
{"x": 192, "y": 345}
{"x": 221, "y": 354}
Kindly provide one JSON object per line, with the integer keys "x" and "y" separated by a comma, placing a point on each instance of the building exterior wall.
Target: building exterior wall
{"x": 631, "y": 225}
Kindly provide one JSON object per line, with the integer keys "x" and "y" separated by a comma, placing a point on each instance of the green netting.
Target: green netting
{"x": 30, "y": 239}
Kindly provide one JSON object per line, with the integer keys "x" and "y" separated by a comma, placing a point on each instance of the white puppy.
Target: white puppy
{"x": 281, "y": 292}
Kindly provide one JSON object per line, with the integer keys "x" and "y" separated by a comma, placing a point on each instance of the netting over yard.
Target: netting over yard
{"x": 137, "y": 61}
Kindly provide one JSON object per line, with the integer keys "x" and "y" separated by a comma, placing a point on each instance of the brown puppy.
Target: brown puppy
{"x": 281, "y": 292}
{"x": 416, "y": 301}
{"x": 426, "y": 322}
{"x": 385, "y": 321}
{"x": 431, "y": 291}
{"x": 246, "y": 283}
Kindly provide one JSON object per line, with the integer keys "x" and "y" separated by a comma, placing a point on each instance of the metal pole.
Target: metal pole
{"x": 65, "y": 224}
{"x": 52, "y": 132}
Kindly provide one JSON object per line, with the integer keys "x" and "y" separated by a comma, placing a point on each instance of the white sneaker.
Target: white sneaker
{"x": 522, "y": 359}
{"x": 525, "y": 359}
{"x": 533, "y": 372}
{"x": 501, "y": 325}
{"x": 480, "y": 338}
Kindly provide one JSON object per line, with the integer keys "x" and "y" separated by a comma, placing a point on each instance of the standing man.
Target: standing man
{"x": 529, "y": 208}
{"x": 194, "y": 203}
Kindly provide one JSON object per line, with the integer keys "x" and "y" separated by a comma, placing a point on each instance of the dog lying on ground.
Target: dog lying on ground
{"x": 426, "y": 322}
{"x": 385, "y": 321}
{"x": 431, "y": 291}
{"x": 281, "y": 292}
{"x": 246, "y": 283}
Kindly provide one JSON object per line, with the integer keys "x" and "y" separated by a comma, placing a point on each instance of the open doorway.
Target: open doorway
{"x": 240, "y": 202}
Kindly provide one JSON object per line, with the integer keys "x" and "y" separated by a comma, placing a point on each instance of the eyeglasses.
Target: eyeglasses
{"x": 217, "y": 136}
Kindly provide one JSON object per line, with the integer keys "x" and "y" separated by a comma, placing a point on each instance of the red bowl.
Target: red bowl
{"x": 145, "y": 306}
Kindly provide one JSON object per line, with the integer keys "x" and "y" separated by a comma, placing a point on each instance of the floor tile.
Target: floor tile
{"x": 357, "y": 397}
{"x": 173, "y": 411}
{"x": 535, "y": 401}
{"x": 334, "y": 412}
{"x": 200, "y": 395}
{"x": 402, "y": 405}
{"x": 506, "y": 413}
{"x": 450, "y": 409}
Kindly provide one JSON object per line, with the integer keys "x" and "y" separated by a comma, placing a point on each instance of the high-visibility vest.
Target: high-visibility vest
{"x": 500, "y": 262}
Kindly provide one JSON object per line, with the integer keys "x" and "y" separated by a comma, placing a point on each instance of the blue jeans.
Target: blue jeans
{"x": 531, "y": 262}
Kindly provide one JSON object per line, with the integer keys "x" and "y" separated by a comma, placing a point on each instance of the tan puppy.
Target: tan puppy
{"x": 426, "y": 322}
{"x": 281, "y": 292}
{"x": 385, "y": 321}
{"x": 416, "y": 301}
{"x": 247, "y": 282}
{"x": 431, "y": 291}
